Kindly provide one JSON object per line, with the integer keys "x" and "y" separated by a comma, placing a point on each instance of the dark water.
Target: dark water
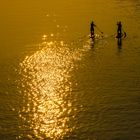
{"x": 55, "y": 84}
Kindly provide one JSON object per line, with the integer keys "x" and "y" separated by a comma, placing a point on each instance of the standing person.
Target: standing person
{"x": 92, "y": 25}
{"x": 119, "y": 30}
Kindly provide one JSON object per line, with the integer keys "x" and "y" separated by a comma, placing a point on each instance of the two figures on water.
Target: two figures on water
{"x": 119, "y": 30}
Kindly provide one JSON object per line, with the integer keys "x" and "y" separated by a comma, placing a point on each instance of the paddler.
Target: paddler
{"x": 92, "y": 25}
{"x": 119, "y": 30}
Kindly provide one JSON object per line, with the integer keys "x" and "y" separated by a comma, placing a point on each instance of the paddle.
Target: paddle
{"x": 124, "y": 33}
{"x": 99, "y": 29}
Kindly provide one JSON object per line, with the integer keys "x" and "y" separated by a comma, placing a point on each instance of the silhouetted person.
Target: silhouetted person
{"x": 119, "y": 30}
{"x": 92, "y": 25}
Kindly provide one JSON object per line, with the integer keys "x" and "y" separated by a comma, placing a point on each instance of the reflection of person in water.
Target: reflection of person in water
{"x": 119, "y": 30}
{"x": 92, "y": 25}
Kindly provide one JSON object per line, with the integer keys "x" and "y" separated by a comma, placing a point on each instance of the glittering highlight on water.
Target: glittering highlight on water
{"x": 46, "y": 83}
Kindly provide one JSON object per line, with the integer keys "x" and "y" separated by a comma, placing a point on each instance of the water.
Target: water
{"x": 55, "y": 84}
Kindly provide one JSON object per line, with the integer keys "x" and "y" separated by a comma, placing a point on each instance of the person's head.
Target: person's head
{"x": 119, "y": 22}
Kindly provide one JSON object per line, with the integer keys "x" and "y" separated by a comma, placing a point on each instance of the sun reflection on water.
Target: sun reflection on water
{"x": 45, "y": 84}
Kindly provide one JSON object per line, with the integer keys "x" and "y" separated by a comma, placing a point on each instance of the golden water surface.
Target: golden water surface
{"x": 56, "y": 84}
